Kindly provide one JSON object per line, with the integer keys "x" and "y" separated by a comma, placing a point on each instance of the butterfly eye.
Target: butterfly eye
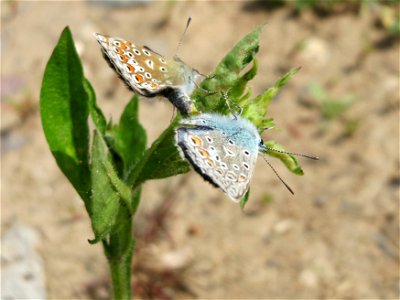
{"x": 261, "y": 143}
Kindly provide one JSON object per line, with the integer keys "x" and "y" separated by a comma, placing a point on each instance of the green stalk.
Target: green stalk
{"x": 119, "y": 252}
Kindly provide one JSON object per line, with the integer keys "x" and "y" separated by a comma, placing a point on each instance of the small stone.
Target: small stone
{"x": 308, "y": 278}
{"x": 175, "y": 260}
{"x": 283, "y": 226}
{"x": 315, "y": 51}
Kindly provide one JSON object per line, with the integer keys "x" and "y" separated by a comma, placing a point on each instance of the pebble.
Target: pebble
{"x": 308, "y": 278}
{"x": 283, "y": 226}
{"x": 315, "y": 52}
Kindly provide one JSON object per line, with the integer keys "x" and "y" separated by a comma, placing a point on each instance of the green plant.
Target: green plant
{"x": 108, "y": 175}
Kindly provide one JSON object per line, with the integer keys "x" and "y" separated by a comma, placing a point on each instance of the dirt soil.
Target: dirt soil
{"x": 338, "y": 237}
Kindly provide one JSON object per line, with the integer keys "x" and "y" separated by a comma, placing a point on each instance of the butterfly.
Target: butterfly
{"x": 223, "y": 150}
{"x": 149, "y": 74}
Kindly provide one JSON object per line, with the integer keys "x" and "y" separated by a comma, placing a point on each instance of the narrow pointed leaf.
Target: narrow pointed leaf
{"x": 129, "y": 137}
{"x": 161, "y": 160}
{"x": 64, "y": 113}
{"x": 105, "y": 197}
{"x": 244, "y": 200}
{"x": 227, "y": 74}
{"x": 96, "y": 114}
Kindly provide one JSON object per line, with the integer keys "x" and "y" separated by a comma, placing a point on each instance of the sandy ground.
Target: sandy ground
{"x": 338, "y": 237}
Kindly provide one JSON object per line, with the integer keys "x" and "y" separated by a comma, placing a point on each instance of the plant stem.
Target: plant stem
{"x": 119, "y": 252}
{"x": 121, "y": 277}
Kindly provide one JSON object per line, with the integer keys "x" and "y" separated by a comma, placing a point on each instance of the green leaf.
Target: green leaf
{"x": 244, "y": 200}
{"x": 64, "y": 113}
{"x": 95, "y": 112}
{"x": 237, "y": 91}
{"x": 129, "y": 137}
{"x": 161, "y": 160}
{"x": 288, "y": 160}
{"x": 227, "y": 74}
{"x": 105, "y": 195}
{"x": 256, "y": 109}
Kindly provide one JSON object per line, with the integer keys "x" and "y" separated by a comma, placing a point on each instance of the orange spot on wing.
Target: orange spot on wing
{"x": 203, "y": 152}
{"x": 241, "y": 178}
{"x": 210, "y": 162}
{"x": 123, "y": 58}
{"x": 139, "y": 78}
{"x": 131, "y": 69}
{"x": 123, "y": 46}
{"x": 196, "y": 140}
{"x": 119, "y": 50}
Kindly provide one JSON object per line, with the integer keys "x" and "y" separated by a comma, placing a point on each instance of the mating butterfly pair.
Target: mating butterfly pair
{"x": 222, "y": 150}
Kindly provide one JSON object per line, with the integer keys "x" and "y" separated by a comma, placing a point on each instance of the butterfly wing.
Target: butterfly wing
{"x": 149, "y": 73}
{"x": 219, "y": 161}
{"x": 141, "y": 68}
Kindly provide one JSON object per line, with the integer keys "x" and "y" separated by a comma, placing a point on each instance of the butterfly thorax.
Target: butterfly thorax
{"x": 241, "y": 131}
{"x": 181, "y": 75}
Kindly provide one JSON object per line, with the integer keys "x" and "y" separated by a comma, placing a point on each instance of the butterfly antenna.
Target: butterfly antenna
{"x": 235, "y": 115}
{"x": 280, "y": 178}
{"x": 182, "y": 36}
{"x": 291, "y": 153}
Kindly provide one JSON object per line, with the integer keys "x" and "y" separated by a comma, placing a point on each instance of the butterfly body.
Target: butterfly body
{"x": 223, "y": 150}
{"x": 149, "y": 73}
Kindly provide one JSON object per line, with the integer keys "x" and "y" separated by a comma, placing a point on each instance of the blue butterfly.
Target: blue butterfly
{"x": 223, "y": 150}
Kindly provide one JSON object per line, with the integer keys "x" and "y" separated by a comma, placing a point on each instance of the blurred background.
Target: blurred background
{"x": 338, "y": 237}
